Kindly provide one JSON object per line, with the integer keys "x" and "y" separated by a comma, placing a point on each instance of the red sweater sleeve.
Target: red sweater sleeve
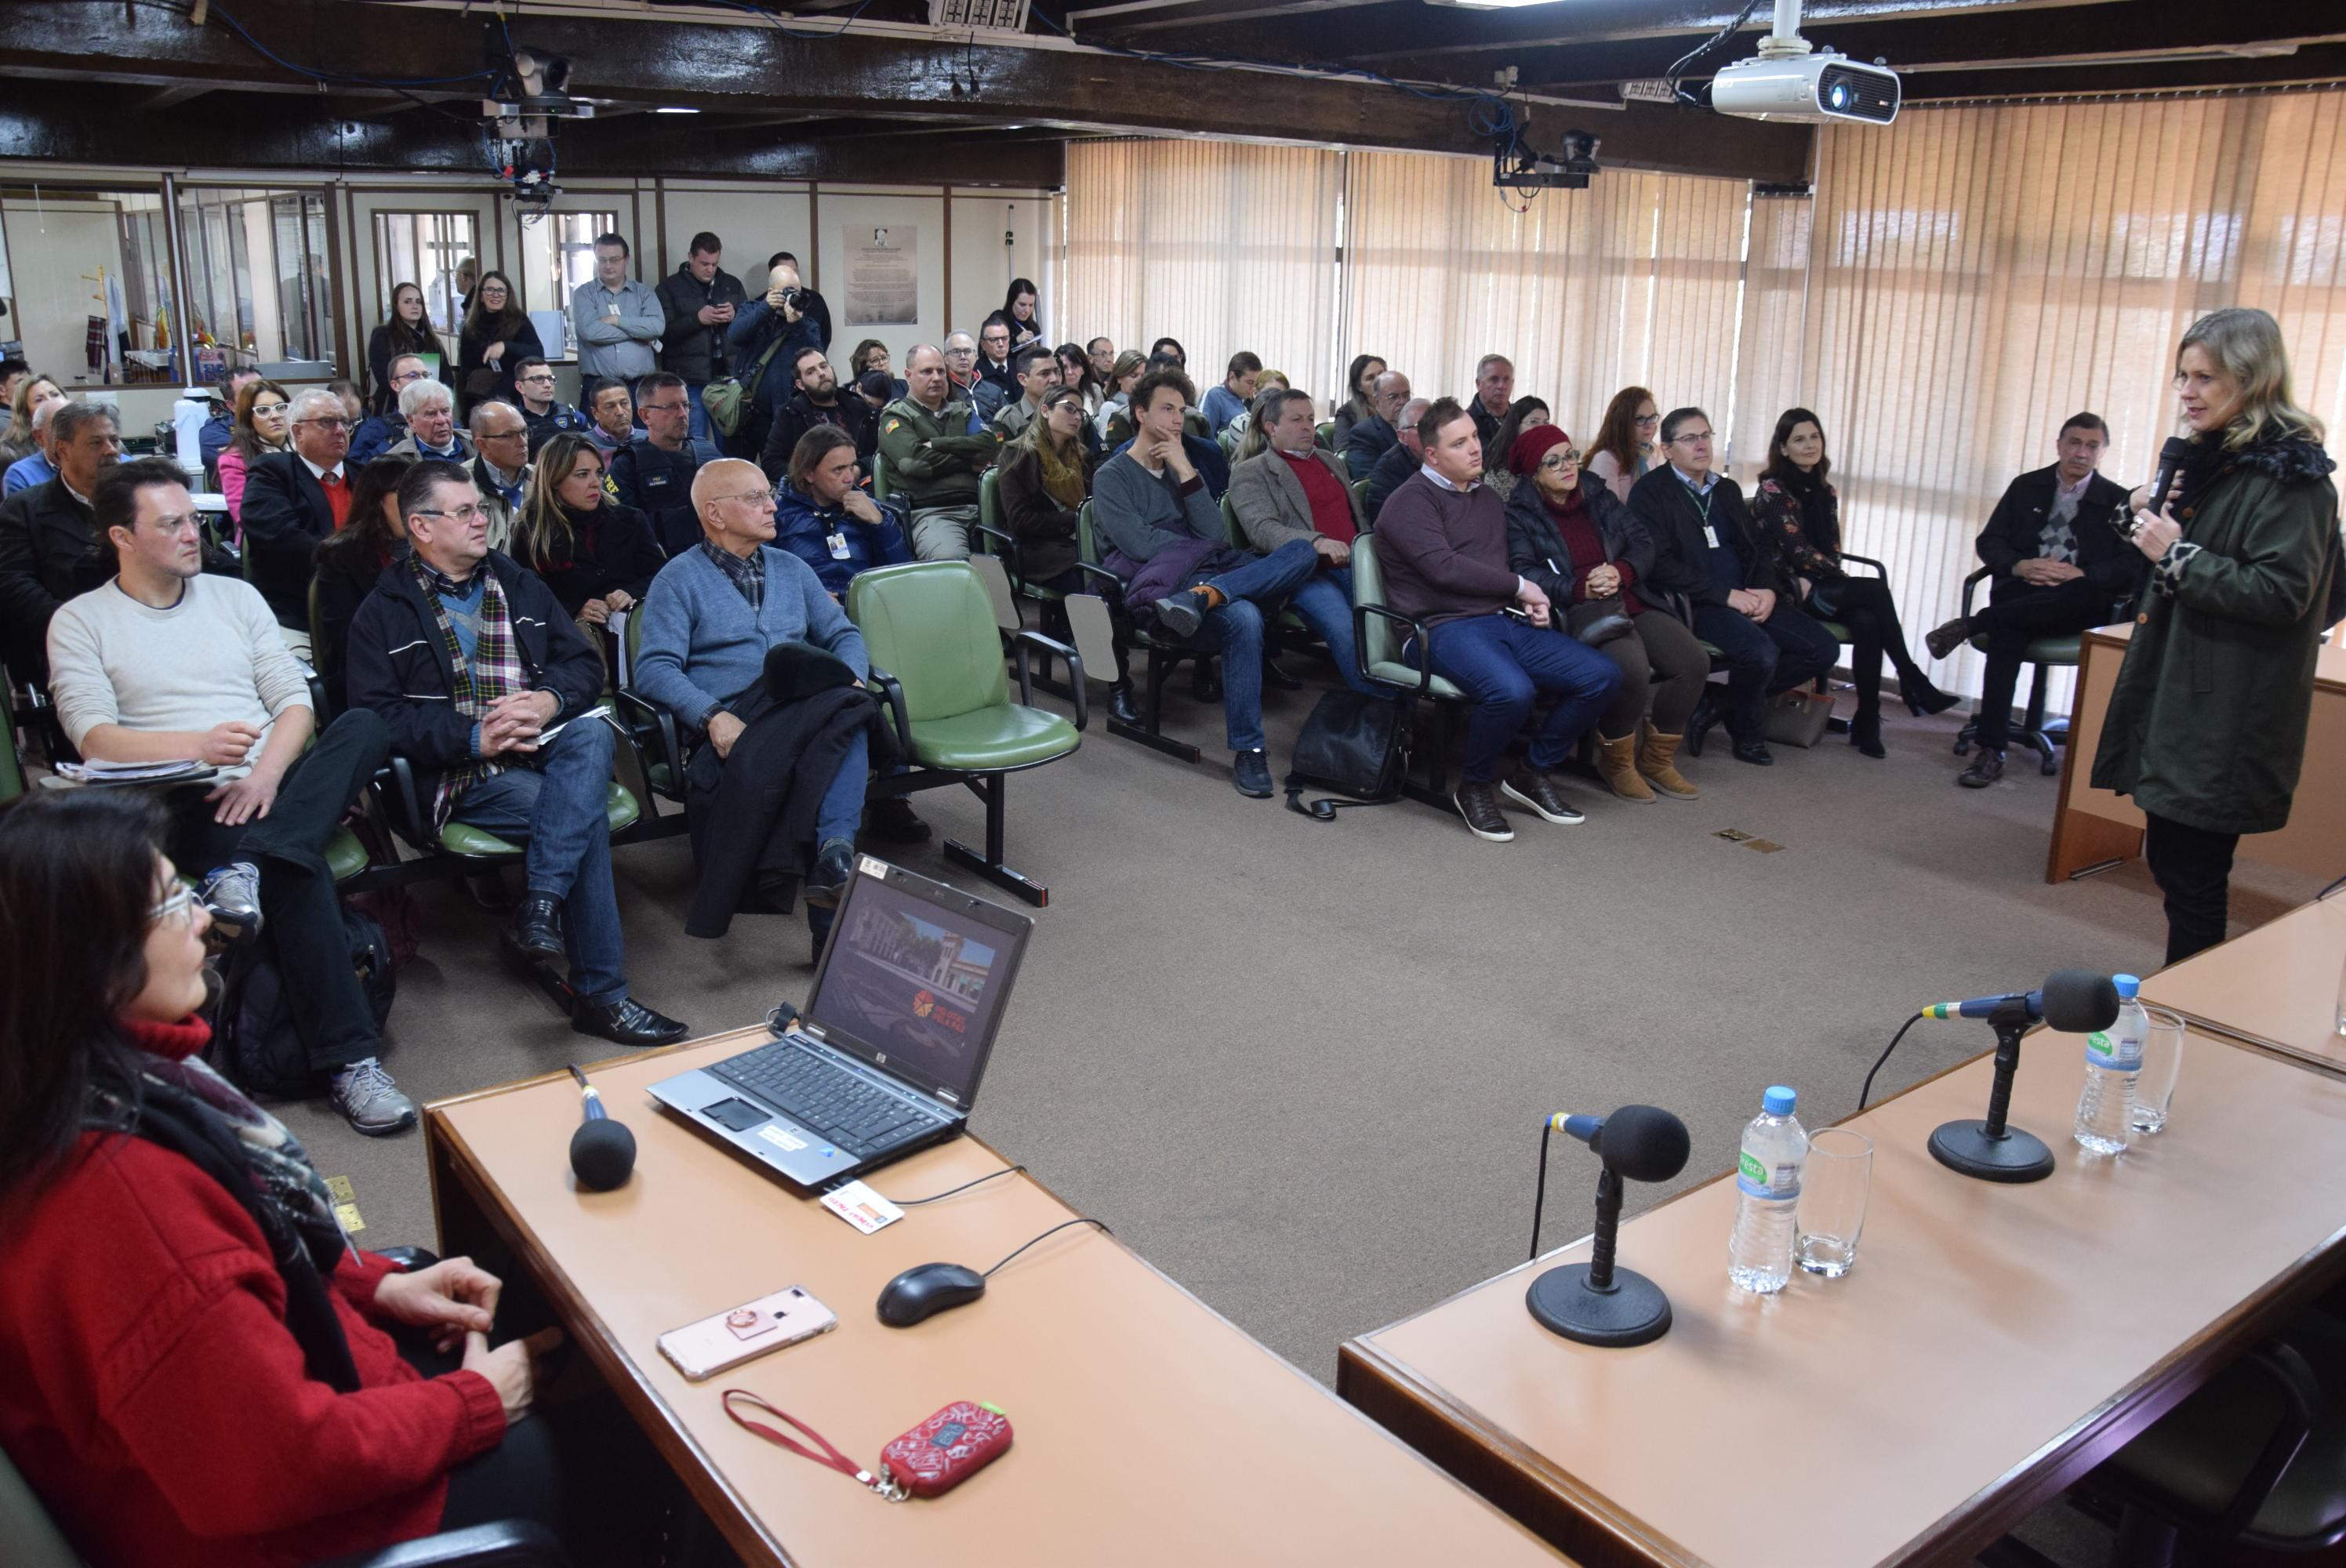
{"x": 358, "y": 1276}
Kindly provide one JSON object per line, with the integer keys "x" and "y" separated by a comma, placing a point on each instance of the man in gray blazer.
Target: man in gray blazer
{"x": 1293, "y": 490}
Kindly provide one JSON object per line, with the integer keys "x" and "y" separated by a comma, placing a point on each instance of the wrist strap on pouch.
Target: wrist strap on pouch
{"x": 829, "y": 1456}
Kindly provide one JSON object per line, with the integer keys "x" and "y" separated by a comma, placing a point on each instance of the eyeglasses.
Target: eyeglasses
{"x": 746, "y": 495}
{"x": 179, "y": 523}
{"x": 1646, "y": 419}
{"x": 180, "y": 907}
{"x": 522, "y": 434}
{"x": 461, "y": 514}
{"x": 1690, "y": 438}
{"x": 536, "y": 378}
{"x": 1565, "y": 457}
{"x": 403, "y": 378}
{"x": 260, "y": 408}
{"x": 330, "y": 423}
{"x": 666, "y": 407}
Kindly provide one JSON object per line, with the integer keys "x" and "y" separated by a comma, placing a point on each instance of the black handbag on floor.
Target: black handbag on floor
{"x": 1351, "y": 744}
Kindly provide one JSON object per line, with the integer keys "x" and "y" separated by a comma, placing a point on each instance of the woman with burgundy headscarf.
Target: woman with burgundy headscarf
{"x": 1583, "y": 546}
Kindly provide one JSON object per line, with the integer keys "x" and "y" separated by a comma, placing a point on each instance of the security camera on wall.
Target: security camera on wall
{"x": 1790, "y": 79}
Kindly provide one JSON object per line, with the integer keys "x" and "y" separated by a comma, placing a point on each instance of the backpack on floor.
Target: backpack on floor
{"x": 1351, "y": 744}
{"x": 254, "y": 1043}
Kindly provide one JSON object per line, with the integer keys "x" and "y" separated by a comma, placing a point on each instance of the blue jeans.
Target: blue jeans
{"x": 1502, "y": 664}
{"x": 704, "y": 440}
{"x": 1763, "y": 657}
{"x": 1235, "y": 629}
{"x": 558, "y": 810}
{"x": 842, "y": 810}
{"x": 1325, "y": 603}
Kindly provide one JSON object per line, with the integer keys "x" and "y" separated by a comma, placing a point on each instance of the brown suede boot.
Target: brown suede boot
{"x": 1658, "y": 760}
{"x": 1616, "y": 762}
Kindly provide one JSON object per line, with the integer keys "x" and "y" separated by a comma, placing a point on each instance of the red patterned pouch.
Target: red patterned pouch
{"x": 929, "y": 1461}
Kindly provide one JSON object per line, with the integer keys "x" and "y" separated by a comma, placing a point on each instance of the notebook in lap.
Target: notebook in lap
{"x": 907, "y": 1000}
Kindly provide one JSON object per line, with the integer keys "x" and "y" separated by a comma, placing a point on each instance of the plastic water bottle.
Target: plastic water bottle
{"x": 188, "y": 416}
{"x": 1768, "y": 1191}
{"x": 2113, "y": 1061}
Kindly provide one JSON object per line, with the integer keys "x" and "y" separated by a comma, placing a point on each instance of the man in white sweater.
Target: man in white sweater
{"x": 164, "y": 663}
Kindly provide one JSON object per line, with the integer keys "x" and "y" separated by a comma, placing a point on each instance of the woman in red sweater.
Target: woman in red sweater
{"x": 194, "y": 1367}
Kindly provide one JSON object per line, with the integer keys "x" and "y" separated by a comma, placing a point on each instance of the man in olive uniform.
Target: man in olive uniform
{"x": 933, "y": 452}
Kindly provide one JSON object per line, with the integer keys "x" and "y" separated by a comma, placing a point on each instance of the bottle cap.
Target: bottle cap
{"x": 2127, "y": 985}
{"x": 1779, "y": 1101}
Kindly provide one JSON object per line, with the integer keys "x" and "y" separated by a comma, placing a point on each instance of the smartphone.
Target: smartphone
{"x": 716, "y": 1344}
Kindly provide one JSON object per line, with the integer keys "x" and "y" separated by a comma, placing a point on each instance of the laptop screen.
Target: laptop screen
{"x": 915, "y": 977}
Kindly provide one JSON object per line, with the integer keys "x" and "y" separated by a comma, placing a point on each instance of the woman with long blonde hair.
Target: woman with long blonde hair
{"x": 596, "y": 555}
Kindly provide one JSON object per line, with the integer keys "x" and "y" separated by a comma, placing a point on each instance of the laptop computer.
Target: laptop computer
{"x": 908, "y": 999}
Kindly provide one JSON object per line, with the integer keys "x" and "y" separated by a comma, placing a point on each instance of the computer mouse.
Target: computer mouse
{"x": 921, "y": 1293}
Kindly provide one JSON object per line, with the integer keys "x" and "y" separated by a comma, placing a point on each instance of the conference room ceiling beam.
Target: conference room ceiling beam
{"x": 760, "y": 70}
{"x": 1139, "y": 17}
{"x": 2318, "y": 65}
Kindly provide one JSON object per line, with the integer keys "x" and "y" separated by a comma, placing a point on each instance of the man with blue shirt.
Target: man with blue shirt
{"x": 1230, "y": 400}
{"x": 34, "y": 467}
{"x": 823, "y": 519}
{"x": 615, "y": 318}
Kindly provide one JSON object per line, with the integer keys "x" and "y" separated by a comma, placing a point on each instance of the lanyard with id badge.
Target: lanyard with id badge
{"x": 1702, "y": 503}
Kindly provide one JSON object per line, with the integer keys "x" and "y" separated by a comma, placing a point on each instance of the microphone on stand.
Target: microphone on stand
{"x": 1596, "y": 1303}
{"x": 602, "y": 1151}
{"x": 2074, "y": 1000}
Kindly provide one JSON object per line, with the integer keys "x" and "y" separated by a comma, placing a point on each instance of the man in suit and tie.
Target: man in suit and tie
{"x": 292, "y": 500}
{"x": 1293, "y": 490}
{"x": 48, "y": 540}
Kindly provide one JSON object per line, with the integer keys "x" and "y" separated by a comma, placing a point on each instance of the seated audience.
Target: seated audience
{"x": 348, "y": 563}
{"x": 1180, "y": 565}
{"x": 611, "y": 411}
{"x": 407, "y": 333}
{"x": 32, "y": 394}
{"x": 1227, "y": 402}
{"x": 2059, "y": 569}
{"x": 36, "y": 467}
{"x": 354, "y": 399}
{"x": 1037, "y": 371}
{"x": 1725, "y": 584}
{"x": 824, "y": 518}
{"x": 1171, "y": 347}
{"x": 499, "y": 336}
{"x": 1076, "y": 371}
{"x": 461, "y": 653}
{"x": 935, "y": 450}
{"x": 1359, "y": 399}
{"x": 763, "y": 343}
{"x": 1525, "y": 413}
{"x": 1241, "y": 431}
{"x": 1589, "y": 554}
{"x": 1799, "y": 520}
{"x": 817, "y": 402}
{"x": 1495, "y": 390}
{"x": 961, "y": 366}
{"x": 1627, "y": 446}
{"x": 430, "y": 409}
{"x": 545, "y": 415}
{"x": 797, "y": 760}
{"x": 1018, "y": 311}
{"x": 994, "y": 352}
{"x": 1295, "y": 492}
{"x": 594, "y": 554}
{"x": 1101, "y": 353}
{"x": 262, "y": 412}
{"x": 1442, "y": 544}
{"x": 877, "y": 390}
{"x": 502, "y": 471}
{"x": 381, "y": 431}
{"x": 1407, "y": 456}
{"x": 1115, "y": 409}
{"x": 1371, "y": 438}
{"x": 168, "y": 661}
{"x": 50, "y": 548}
{"x": 654, "y": 476}
{"x": 1046, "y": 478}
{"x": 172, "y": 1241}
{"x": 872, "y": 355}
{"x": 294, "y": 499}
{"x": 13, "y": 372}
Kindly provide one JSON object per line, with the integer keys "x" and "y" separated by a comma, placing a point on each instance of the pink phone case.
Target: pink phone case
{"x": 705, "y": 1349}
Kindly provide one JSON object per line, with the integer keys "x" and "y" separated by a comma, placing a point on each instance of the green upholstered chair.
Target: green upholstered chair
{"x": 11, "y": 766}
{"x": 2044, "y": 655}
{"x": 1379, "y": 632}
{"x": 411, "y": 817}
{"x": 879, "y": 477}
{"x": 1326, "y": 435}
{"x": 936, "y": 661}
{"x": 651, "y": 727}
{"x": 1164, "y": 657}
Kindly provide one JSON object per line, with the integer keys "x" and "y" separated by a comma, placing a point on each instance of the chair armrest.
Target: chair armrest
{"x": 409, "y": 1258}
{"x": 647, "y": 714}
{"x": 1972, "y": 584}
{"x": 1878, "y": 569}
{"x": 508, "y": 1543}
{"x": 1006, "y": 549}
{"x": 1110, "y": 585}
{"x": 2301, "y": 1392}
{"x": 892, "y": 692}
{"x": 404, "y": 806}
{"x": 1026, "y": 642}
{"x": 1360, "y": 613}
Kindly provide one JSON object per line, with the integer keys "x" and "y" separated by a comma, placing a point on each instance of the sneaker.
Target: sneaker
{"x": 1250, "y": 773}
{"x": 232, "y": 894}
{"x": 1947, "y": 636}
{"x": 826, "y": 880}
{"x": 368, "y": 1100}
{"x": 1528, "y": 787}
{"x": 893, "y": 822}
{"x": 1984, "y": 771}
{"x": 1479, "y": 805}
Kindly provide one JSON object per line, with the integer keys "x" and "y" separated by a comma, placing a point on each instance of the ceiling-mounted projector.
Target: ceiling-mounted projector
{"x": 1790, "y": 79}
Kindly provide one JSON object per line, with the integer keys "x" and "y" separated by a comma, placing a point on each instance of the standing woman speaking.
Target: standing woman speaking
{"x": 2206, "y": 724}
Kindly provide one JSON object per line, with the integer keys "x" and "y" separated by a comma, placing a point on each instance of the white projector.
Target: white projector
{"x": 1811, "y": 89}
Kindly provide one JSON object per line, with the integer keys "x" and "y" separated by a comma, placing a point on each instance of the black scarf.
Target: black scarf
{"x": 1819, "y": 507}
{"x": 2284, "y": 454}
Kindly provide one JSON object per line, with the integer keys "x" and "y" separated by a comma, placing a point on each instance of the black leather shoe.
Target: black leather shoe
{"x": 1984, "y": 771}
{"x": 1947, "y": 636}
{"x": 1699, "y": 724}
{"x": 1206, "y": 685}
{"x": 1755, "y": 752}
{"x": 626, "y": 1022}
{"x": 1181, "y": 615}
{"x": 1925, "y": 698}
{"x": 1121, "y": 707}
{"x": 1251, "y": 772}
{"x": 826, "y": 880}
{"x": 893, "y": 822}
{"x": 1273, "y": 675}
{"x": 1865, "y": 734}
{"x": 1539, "y": 792}
{"x": 536, "y": 928}
{"x": 1479, "y": 805}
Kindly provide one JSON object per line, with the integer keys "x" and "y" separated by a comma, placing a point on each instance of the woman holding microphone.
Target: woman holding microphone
{"x": 2206, "y": 724}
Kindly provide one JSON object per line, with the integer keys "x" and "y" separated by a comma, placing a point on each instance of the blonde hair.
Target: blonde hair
{"x": 2245, "y": 346}
{"x": 543, "y": 532}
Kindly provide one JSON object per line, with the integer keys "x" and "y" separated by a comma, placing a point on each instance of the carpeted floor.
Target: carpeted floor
{"x": 1301, "y": 1066}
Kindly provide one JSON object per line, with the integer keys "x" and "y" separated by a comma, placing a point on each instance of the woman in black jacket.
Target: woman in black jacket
{"x": 1797, "y": 521}
{"x": 1582, "y": 546}
{"x": 497, "y": 336}
{"x": 407, "y": 332}
{"x": 595, "y": 555}
{"x": 348, "y": 563}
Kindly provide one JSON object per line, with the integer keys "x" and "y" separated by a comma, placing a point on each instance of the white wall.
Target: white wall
{"x": 753, "y": 220}
{"x": 984, "y": 265}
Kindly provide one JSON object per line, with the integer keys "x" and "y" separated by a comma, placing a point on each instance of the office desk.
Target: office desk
{"x": 2095, "y": 828}
{"x": 1148, "y": 1428}
{"x": 2274, "y": 988}
{"x": 1991, "y": 1344}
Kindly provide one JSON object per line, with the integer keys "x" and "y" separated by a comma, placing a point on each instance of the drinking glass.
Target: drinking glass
{"x": 1834, "y": 1185}
{"x": 2162, "y": 1061}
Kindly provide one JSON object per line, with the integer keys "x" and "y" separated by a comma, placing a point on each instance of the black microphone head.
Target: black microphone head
{"x": 2079, "y": 1001}
{"x": 2178, "y": 451}
{"x": 601, "y": 1154}
{"x": 1644, "y": 1143}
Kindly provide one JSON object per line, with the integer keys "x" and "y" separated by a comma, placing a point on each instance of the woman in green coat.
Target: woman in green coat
{"x": 2206, "y": 725}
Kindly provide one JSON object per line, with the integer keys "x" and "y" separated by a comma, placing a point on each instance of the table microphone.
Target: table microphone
{"x": 602, "y": 1151}
{"x": 1595, "y": 1302}
{"x": 2074, "y": 1000}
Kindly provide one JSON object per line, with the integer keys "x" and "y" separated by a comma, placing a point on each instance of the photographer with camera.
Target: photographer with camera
{"x": 764, "y": 342}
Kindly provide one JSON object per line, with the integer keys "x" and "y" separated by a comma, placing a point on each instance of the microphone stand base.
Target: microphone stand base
{"x": 2018, "y": 1157}
{"x": 1634, "y": 1312}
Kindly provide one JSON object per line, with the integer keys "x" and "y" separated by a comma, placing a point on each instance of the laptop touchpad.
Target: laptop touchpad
{"x": 736, "y": 1116}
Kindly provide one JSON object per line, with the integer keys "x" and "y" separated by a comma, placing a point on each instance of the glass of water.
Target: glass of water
{"x": 2162, "y": 1063}
{"x": 1834, "y": 1185}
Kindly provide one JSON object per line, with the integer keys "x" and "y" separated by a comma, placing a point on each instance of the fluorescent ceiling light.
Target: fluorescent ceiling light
{"x": 674, "y": 109}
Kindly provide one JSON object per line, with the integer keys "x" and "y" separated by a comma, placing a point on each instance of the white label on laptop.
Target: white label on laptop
{"x": 861, "y": 1208}
{"x": 789, "y": 1141}
{"x": 872, "y": 866}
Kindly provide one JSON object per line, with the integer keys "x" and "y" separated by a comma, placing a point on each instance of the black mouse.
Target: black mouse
{"x": 921, "y": 1293}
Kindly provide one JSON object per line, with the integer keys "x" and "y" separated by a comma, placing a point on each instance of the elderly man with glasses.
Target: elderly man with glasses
{"x": 502, "y": 471}
{"x": 430, "y": 409}
{"x": 294, "y": 499}
{"x": 47, "y": 540}
{"x": 967, "y": 385}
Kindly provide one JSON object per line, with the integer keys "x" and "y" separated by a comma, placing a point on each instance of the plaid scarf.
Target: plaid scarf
{"x": 494, "y": 671}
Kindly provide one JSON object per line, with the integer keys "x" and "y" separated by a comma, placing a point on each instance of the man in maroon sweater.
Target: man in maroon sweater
{"x": 1441, "y": 540}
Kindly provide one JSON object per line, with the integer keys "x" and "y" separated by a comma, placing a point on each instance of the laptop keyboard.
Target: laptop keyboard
{"x": 826, "y": 1098}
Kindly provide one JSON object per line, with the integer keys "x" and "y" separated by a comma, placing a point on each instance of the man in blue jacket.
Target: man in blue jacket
{"x": 823, "y": 519}
{"x": 763, "y": 347}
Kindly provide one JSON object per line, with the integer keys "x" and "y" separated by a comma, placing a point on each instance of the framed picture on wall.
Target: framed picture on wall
{"x": 883, "y": 275}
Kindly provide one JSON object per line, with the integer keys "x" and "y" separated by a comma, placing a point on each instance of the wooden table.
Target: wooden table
{"x": 1148, "y": 1428}
{"x": 1991, "y": 1344}
{"x": 2276, "y": 988}
{"x": 2092, "y": 828}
